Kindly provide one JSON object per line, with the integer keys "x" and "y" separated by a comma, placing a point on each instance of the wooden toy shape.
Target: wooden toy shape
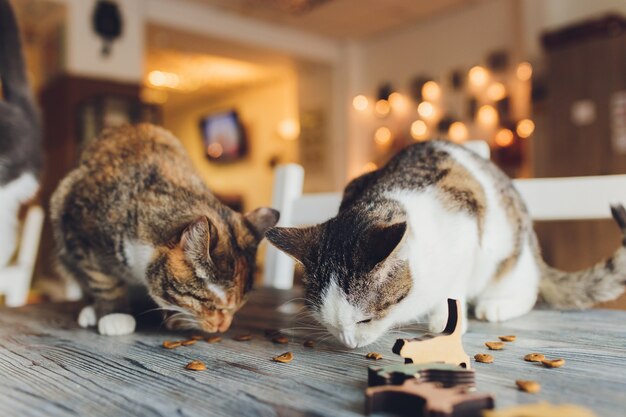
{"x": 541, "y": 410}
{"x": 443, "y": 347}
{"x": 427, "y": 399}
{"x": 446, "y": 374}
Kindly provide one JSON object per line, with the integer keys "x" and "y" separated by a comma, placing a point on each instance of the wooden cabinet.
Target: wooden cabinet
{"x": 586, "y": 71}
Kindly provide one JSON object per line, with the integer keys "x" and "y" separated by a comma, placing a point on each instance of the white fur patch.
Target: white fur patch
{"x": 12, "y": 196}
{"x": 217, "y": 290}
{"x": 116, "y": 324}
{"x": 138, "y": 256}
{"x": 87, "y": 317}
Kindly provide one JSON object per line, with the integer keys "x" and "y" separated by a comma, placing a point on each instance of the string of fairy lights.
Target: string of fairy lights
{"x": 482, "y": 103}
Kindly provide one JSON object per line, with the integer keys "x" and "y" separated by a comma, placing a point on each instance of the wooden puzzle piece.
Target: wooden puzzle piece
{"x": 426, "y": 399}
{"x": 443, "y": 347}
{"x": 446, "y": 374}
{"x": 541, "y": 410}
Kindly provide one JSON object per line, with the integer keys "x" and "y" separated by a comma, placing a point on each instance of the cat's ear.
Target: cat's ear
{"x": 198, "y": 238}
{"x": 382, "y": 241}
{"x": 294, "y": 241}
{"x": 262, "y": 219}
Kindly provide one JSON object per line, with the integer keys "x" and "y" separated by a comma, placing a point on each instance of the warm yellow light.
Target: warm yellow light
{"x": 382, "y": 108}
{"x": 458, "y": 132}
{"x": 382, "y": 136}
{"x": 524, "y": 71}
{"x": 398, "y": 102}
{"x": 504, "y": 137}
{"x": 419, "y": 130}
{"x": 215, "y": 150}
{"x": 431, "y": 91}
{"x": 289, "y": 129}
{"x": 426, "y": 110}
{"x": 496, "y": 91}
{"x": 525, "y": 128}
{"x": 369, "y": 167}
{"x": 478, "y": 76}
{"x": 360, "y": 102}
{"x": 487, "y": 115}
{"x": 163, "y": 79}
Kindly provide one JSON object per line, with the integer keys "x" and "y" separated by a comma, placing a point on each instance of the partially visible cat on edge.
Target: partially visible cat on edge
{"x": 436, "y": 222}
{"x": 20, "y": 134}
{"x": 135, "y": 211}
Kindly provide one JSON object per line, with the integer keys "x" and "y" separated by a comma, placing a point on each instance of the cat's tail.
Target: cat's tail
{"x": 604, "y": 281}
{"x": 15, "y": 86}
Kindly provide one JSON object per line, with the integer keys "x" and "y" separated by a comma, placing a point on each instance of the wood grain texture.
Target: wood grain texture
{"x": 50, "y": 367}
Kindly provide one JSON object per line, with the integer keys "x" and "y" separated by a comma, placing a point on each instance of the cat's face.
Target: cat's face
{"x": 204, "y": 277}
{"x": 356, "y": 276}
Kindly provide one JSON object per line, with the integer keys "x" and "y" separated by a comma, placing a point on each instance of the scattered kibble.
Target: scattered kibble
{"x": 374, "y": 355}
{"x": 196, "y": 337}
{"x": 282, "y": 340}
{"x": 528, "y": 386}
{"x": 171, "y": 345}
{"x": 213, "y": 339}
{"x": 534, "y": 357}
{"x": 196, "y": 366}
{"x": 284, "y": 358}
{"x": 494, "y": 345}
{"x": 243, "y": 337}
{"x": 554, "y": 363}
{"x": 188, "y": 342}
{"x": 309, "y": 343}
{"x": 483, "y": 358}
{"x": 509, "y": 338}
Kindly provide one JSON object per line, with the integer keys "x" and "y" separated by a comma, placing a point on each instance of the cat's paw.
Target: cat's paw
{"x": 437, "y": 321}
{"x": 87, "y": 317}
{"x": 501, "y": 309}
{"x": 116, "y": 324}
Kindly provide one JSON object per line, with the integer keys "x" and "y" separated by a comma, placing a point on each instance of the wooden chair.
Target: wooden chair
{"x": 570, "y": 198}
{"x": 15, "y": 279}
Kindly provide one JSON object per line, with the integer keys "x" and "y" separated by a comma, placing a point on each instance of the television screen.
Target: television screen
{"x": 224, "y": 136}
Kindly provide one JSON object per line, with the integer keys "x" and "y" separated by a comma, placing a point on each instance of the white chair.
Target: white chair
{"x": 15, "y": 279}
{"x": 571, "y": 198}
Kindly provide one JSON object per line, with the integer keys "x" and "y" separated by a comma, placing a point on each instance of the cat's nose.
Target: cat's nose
{"x": 225, "y": 323}
{"x": 348, "y": 339}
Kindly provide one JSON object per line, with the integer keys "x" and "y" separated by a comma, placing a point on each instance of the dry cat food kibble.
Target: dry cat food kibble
{"x": 171, "y": 345}
{"x": 282, "y": 340}
{"x": 554, "y": 363}
{"x": 509, "y": 338}
{"x": 213, "y": 339}
{"x": 243, "y": 337}
{"x": 284, "y": 358}
{"x": 196, "y": 366}
{"x": 483, "y": 358}
{"x": 494, "y": 345}
{"x": 188, "y": 342}
{"x": 534, "y": 357}
{"x": 528, "y": 386}
{"x": 374, "y": 355}
{"x": 196, "y": 337}
{"x": 309, "y": 343}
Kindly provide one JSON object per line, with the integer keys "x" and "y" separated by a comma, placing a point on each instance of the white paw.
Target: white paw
{"x": 437, "y": 322}
{"x": 87, "y": 317}
{"x": 493, "y": 310}
{"x": 116, "y": 324}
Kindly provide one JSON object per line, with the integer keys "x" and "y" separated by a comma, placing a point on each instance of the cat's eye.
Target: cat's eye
{"x": 364, "y": 321}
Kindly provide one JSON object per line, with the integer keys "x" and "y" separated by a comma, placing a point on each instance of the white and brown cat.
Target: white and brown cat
{"x": 135, "y": 211}
{"x": 436, "y": 222}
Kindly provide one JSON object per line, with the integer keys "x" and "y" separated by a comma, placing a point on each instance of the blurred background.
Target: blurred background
{"x": 338, "y": 86}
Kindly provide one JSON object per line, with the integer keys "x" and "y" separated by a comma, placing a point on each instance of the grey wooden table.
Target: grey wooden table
{"x": 50, "y": 367}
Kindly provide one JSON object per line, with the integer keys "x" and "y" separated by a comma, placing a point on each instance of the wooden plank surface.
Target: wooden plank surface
{"x": 50, "y": 367}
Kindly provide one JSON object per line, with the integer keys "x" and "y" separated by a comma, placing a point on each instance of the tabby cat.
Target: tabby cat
{"x": 436, "y": 222}
{"x": 20, "y": 133}
{"x": 135, "y": 211}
